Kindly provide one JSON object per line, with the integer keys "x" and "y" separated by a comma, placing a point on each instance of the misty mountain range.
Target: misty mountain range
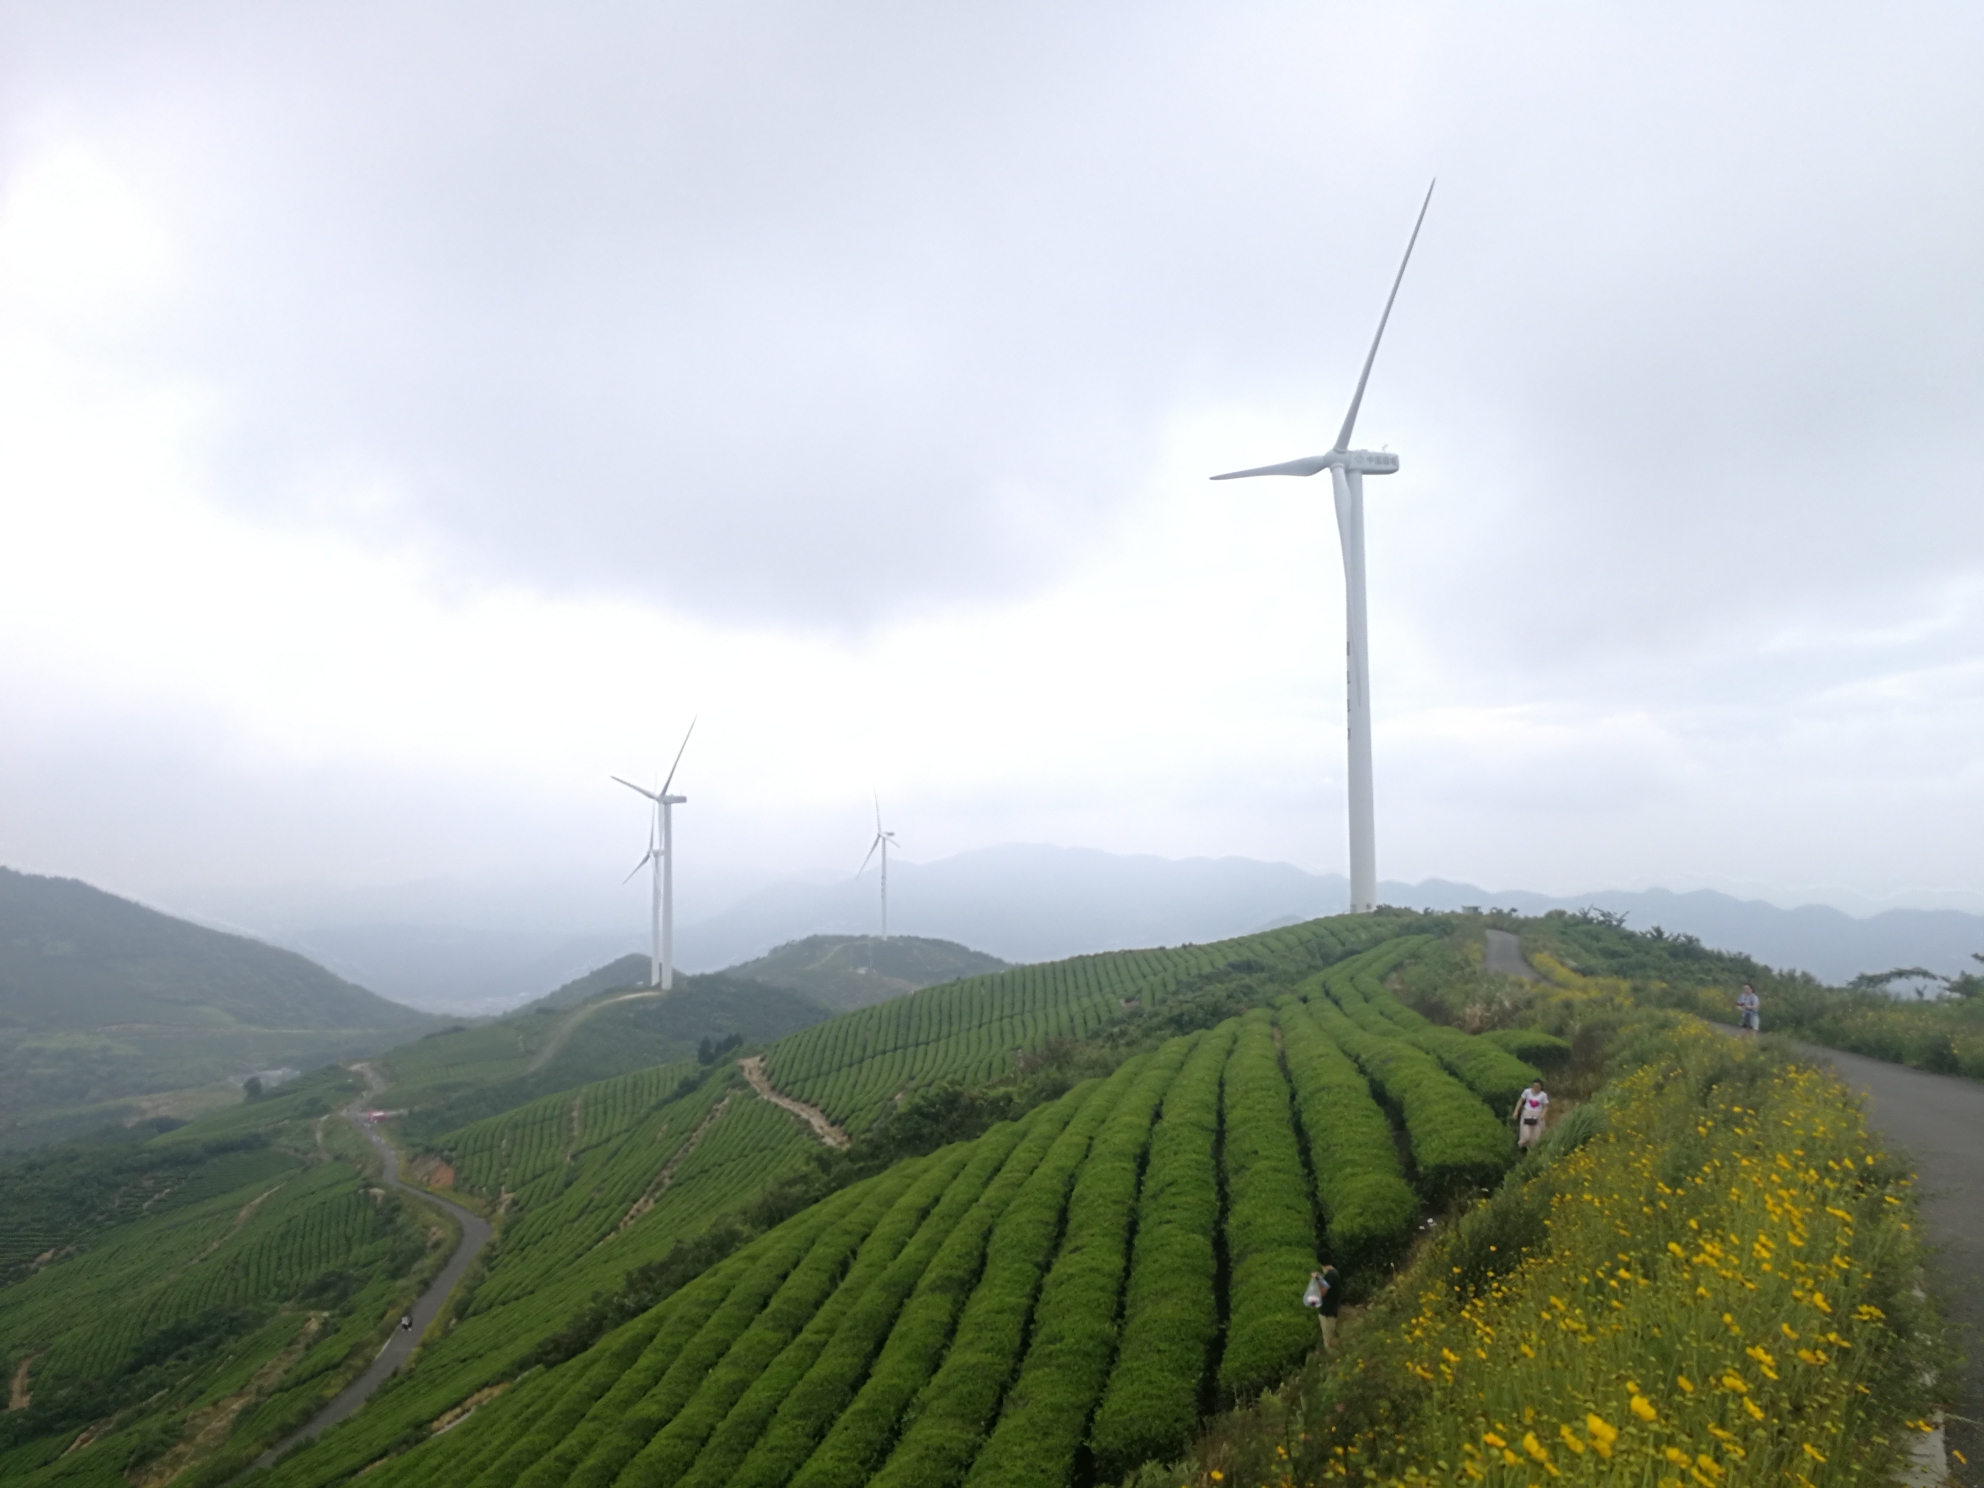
{"x": 1034, "y": 903}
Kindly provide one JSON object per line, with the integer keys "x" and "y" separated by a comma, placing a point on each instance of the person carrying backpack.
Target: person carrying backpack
{"x": 1746, "y": 1009}
{"x": 1322, "y": 1295}
{"x": 1529, "y": 1112}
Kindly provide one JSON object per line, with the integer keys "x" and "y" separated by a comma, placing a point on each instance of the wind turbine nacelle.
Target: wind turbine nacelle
{"x": 1369, "y": 462}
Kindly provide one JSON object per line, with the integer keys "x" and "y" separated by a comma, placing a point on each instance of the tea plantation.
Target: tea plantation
{"x": 1057, "y": 1300}
{"x": 1069, "y": 1225}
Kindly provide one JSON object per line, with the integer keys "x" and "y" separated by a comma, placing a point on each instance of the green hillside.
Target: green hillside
{"x": 463, "y": 1073}
{"x": 624, "y": 975}
{"x": 1071, "y": 1288}
{"x": 852, "y": 971}
{"x": 103, "y": 1001}
{"x": 1071, "y": 1217}
{"x": 160, "y": 1294}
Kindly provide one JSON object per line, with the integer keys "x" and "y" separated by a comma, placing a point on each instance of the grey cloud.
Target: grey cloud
{"x": 731, "y": 306}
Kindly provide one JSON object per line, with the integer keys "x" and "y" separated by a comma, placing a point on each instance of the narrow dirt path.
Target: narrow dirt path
{"x": 667, "y": 1175}
{"x": 813, "y": 1116}
{"x": 1938, "y": 1122}
{"x": 476, "y": 1233}
{"x": 19, "y": 1396}
{"x": 565, "y": 1030}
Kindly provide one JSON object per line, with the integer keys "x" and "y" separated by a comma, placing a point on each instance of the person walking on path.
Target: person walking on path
{"x": 1530, "y": 1108}
{"x": 1746, "y": 1009}
{"x": 1322, "y": 1295}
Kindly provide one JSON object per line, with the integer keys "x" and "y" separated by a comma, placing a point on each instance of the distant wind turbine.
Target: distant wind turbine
{"x": 661, "y": 853}
{"x": 882, "y": 843}
{"x": 1347, "y": 468}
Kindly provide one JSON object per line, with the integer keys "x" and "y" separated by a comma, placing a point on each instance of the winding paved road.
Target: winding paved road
{"x": 475, "y": 1235}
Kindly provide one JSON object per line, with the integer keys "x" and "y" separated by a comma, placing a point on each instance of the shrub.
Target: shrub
{"x": 1151, "y": 1405}
{"x": 1457, "y": 1145}
{"x": 1074, "y": 1336}
{"x": 955, "y": 1409}
{"x": 1368, "y": 1207}
{"x": 829, "y": 1384}
{"x": 1544, "y": 1050}
{"x": 916, "y": 1344}
{"x": 799, "y": 1298}
{"x": 1270, "y": 1227}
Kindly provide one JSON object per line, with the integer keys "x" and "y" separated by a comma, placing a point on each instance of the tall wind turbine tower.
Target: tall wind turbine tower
{"x": 661, "y": 853}
{"x": 882, "y": 843}
{"x": 1347, "y": 468}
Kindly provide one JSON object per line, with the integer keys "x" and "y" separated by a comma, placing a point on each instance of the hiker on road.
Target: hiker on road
{"x": 1746, "y": 1008}
{"x": 1322, "y": 1295}
{"x": 1530, "y": 1108}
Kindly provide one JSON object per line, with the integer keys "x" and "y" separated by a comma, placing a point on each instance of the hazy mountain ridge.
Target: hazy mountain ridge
{"x": 1034, "y": 903}
{"x": 104, "y": 1001}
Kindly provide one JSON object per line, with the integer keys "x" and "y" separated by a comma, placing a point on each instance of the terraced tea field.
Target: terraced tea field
{"x": 1058, "y": 1299}
{"x": 601, "y": 1180}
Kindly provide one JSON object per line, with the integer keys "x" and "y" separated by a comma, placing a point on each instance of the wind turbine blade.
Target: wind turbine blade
{"x": 678, "y": 760}
{"x": 871, "y": 853}
{"x": 878, "y": 813}
{"x": 649, "y": 857}
{"x": 1357, "y": 399}
{"x": 633, "y": 787}
{"x": 1308, "y": 466}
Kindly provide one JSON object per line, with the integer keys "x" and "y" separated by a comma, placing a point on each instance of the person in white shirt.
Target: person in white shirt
{"x": 1530, "y": 1108}
{"x": 1746, "y": 1008}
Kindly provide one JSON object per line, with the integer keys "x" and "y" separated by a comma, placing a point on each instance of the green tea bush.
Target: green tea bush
{"x": 916, "y": 1345}
{"x": 1544, "y": 1050}
{"x": 1457, "y": 1143}
{"x": 956, "y": 1408}
{"x": 1368, "y": 1207}
{"x": 1151, "y": 1405}
{"x": 1270, "y": 1227}
{"x": 745, "y": 1422}
{"x": 798, "y": 1300}
{"x": 810, "y": 1407}
{"x": 1074, "y": 1333}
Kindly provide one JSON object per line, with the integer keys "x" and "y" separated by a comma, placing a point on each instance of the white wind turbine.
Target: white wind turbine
{"x": 1347, "y": 468}
{"x": 661, "y": 853}
{"x": 882, "y": 843}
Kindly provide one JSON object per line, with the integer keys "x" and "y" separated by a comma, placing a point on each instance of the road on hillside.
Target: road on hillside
{"x": 1503, "y": 956}
{"x": 475, "y": 1235}
{"x": 1937, "y": 1121}
{"x": 566, "y": 1029}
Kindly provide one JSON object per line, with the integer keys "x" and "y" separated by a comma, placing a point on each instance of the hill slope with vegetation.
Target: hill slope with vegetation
{"x": 852, "y": 971}
{"x": 103, "y": 1001}
{"x": 1067, "y": 1223}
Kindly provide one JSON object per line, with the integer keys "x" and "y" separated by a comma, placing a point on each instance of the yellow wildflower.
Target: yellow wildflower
{"x": 1643, "y": 1408}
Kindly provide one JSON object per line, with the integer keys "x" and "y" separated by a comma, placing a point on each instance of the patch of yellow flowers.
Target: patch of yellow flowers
{"x": 1709, "y": 1305}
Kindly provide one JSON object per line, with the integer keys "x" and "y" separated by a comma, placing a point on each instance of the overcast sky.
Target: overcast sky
{"x": 412, "y": 413}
